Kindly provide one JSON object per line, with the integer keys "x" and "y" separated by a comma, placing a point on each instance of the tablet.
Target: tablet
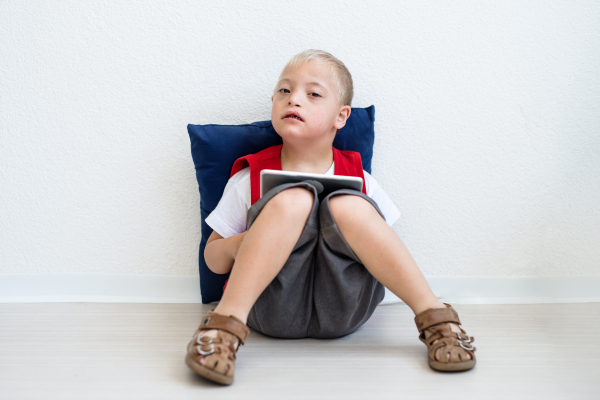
{"x": 324, "y": 184}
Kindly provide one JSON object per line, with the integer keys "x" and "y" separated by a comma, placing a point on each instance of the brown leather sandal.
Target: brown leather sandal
{"x": 221, "y": 350}
{"x": 457, "y": 345}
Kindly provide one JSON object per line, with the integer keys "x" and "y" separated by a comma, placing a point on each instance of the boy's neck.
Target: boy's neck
{"x": 315, "y": 159}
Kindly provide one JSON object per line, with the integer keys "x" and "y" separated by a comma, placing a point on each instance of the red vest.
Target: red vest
{"x": 347, "y": 163}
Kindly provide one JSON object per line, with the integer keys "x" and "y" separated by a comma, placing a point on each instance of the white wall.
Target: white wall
{"x": 487, "y": 131}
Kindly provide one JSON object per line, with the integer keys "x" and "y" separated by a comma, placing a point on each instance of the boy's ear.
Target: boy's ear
{"x": 342, "y": 117}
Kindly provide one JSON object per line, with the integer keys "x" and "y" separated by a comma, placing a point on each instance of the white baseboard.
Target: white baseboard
{"x": 99, "y": 288}
{"x": 512, "y": 289}
{"x": 128, "y": 288}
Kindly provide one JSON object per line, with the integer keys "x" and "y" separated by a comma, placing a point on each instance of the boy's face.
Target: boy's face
{"x": 309, "y": 93}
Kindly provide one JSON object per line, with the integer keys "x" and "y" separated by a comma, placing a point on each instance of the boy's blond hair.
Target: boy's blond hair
{"x": 342, "y": 79}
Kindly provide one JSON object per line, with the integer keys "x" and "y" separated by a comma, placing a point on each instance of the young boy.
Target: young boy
{"x": 305, "y": 268}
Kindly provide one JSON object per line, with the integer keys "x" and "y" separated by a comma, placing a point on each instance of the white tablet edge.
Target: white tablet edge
{"x": 307, "y": 174}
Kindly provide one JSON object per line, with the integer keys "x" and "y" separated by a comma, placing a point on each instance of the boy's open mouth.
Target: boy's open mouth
{"x": 293, "y": 115}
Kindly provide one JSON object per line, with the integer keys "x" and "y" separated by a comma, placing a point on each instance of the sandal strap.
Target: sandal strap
{"x": 450, "y": 345}
{"x": 230, "y": 324}
{"x": 435, "y": 316}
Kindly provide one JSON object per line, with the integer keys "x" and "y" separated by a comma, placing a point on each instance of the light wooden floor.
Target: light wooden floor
{"x": 136, "y": 351}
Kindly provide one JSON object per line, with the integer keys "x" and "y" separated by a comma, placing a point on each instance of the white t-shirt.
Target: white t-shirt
{"x": 230, "y": 216}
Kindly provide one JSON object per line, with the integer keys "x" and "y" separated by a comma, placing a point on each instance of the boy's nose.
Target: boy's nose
{"x": 294, "y": 98}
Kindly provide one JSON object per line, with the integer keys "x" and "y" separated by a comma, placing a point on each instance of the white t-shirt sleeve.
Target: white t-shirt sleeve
{"x": 376, "y": 192}
{"x": 230, "y": 216}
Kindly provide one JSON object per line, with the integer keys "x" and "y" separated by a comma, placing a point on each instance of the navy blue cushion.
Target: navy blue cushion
{"x": 216, "y": 147}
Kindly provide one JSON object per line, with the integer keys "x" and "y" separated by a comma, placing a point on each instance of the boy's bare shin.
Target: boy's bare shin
{"x": 265, "y": 249}
{"x": 382, "y": 252}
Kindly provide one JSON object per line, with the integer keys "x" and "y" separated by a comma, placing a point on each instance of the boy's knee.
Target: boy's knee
{"x": 345, "y": 205}
{"x": 295, "y": 200}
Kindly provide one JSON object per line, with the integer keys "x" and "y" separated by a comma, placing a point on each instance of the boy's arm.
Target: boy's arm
{"x": 220, "y": 253}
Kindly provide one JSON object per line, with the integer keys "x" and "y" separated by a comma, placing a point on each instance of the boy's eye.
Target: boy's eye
{"x": 315, "y": 94}
{"x": 286, "y": 91}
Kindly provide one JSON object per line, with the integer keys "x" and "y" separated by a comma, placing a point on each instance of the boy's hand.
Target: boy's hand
{"x": 220, "y": 253}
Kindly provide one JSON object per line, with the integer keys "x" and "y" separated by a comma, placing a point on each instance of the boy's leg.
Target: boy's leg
{"x": 280, "y": 222}
{"x": 383, "y": 253}
{"x": 272, "y": 236}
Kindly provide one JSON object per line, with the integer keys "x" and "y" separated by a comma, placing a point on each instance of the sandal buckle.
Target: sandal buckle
{"x": 205, "y": 353}
{"x": 467, "y": 340}
{"x": 461, "y": 344}
{"x": 201, "y": 342}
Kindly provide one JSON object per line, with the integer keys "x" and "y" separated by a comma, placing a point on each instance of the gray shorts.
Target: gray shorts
{"x": 323, "y": 290}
